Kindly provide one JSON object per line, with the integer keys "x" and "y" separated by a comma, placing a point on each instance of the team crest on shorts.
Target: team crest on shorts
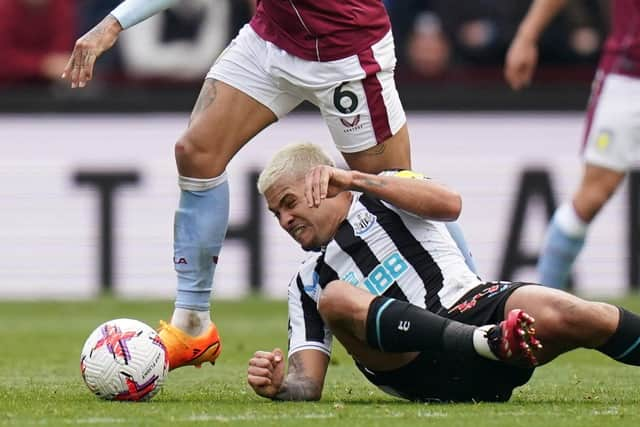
{"x": 362, "y": 221}
{"x": 604, "y": 140}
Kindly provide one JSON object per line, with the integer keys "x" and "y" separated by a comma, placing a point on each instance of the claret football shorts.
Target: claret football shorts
{"x": 356, "y": 95}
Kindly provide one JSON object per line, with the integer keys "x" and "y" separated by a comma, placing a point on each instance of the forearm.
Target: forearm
{"x": 305, "y": 378}
{"x": 299, "y": 388}
{"x": 540, "y": 14}
{"x": 421, "y": 197}
{"x": 132, "y": 12}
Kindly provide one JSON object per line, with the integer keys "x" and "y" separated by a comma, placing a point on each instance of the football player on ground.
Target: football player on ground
{"x": 387, "y": 280}
{"x": 612, "y": 141}
{"x": 339, "y": 57}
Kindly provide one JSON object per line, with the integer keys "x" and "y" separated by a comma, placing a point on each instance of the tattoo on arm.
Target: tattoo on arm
{"x": 205, "y": 99}
{"x": 373, "y": 182}
{"x": 297, "y": 386}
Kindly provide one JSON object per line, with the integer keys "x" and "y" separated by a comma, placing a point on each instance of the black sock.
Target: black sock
{"x": 624, "y": 344}
{"x": 397, "y": 326}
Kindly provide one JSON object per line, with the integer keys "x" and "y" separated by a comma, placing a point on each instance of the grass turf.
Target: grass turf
{"x": 40, "y": 381}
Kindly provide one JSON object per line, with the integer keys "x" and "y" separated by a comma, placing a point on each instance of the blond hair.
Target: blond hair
{"x": 293, "y": 161}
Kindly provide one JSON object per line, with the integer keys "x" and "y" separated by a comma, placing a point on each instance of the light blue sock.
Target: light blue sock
{"x": 456, "y": 232}
{"x": 563, "y": 242}
{"x": 199, "y": 229}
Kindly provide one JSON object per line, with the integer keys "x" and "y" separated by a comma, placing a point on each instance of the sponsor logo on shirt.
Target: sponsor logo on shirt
{"x": 382, "y": 277}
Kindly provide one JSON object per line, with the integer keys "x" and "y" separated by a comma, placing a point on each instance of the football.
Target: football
{"x": 124, "y": 359}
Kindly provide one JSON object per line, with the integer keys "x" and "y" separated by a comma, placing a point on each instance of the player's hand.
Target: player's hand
{"x": 323, "y": 182}
{"x": 520, "y": 62}
{"x": 265, "y": 374}
{"x": 79, "y": 68}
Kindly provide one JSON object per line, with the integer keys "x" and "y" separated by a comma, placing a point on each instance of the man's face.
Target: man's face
{"x": 311, "y": 227}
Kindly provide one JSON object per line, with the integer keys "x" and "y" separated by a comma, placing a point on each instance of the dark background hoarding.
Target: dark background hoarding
{"x": 450, "y": 55}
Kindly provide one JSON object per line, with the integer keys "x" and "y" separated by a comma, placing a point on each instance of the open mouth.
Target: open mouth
{"x": 297, "y": 230}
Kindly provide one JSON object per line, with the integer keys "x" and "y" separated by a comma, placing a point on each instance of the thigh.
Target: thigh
{"x": 359, "y": 102}
{"x": 367, "y": 123}
{"x": 223, "y": 120}
{"x": 362, "y": 113}
{"x": 393, "y": 153}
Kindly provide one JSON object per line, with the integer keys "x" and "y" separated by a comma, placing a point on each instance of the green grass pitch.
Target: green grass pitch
{"x": 40, "y": 383}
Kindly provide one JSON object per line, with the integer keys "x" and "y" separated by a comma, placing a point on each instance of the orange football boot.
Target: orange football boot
{"x": 183, "y": 349}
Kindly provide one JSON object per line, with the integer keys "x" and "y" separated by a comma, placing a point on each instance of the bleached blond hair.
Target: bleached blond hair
{"x": 292, "y": 161}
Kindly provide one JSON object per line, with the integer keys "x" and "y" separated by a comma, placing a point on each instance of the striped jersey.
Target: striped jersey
{"x": 385, "y": 251}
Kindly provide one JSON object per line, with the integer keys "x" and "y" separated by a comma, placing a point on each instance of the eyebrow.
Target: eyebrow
{"x": 283, "y": 200}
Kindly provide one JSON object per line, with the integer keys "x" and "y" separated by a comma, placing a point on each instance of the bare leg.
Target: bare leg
{"x": 394, "y": 153}
{"x": 597, "y": 186}
{"x": 563, "y": 321}
{"x": 223, "y": 120}
{"x": 567, "y": 230}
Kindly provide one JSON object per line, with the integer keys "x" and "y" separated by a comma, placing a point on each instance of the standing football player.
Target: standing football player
{"x": 338, "y": 56}
{"x": 612, "y": 136}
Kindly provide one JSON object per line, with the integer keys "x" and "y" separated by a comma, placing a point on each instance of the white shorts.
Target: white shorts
{"x": 356, "y": 95}
{"x": 613, "y": 137}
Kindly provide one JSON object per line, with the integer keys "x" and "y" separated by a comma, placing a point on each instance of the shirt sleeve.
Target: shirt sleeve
{"x": 307, "y": 330}
{"x": 402, "y": 173}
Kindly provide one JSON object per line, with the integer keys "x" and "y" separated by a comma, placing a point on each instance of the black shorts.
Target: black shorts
{"x": 436, "y": 376}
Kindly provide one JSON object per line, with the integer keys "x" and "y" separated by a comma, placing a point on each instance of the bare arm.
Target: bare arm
{"x": 304, "y": 379}
{"x": 421, "y": 197}
{"x": 522, "y": 56}
{"x": 305, "y": 376}
{"x": 96, "y": 41}
{"x": 88, "y": 48}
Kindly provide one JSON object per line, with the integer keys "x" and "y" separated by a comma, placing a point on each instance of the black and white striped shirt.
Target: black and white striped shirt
{"x": 386, "y": 251}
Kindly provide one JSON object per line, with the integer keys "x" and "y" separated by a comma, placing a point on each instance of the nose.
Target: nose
{"x": 285, "y": 219}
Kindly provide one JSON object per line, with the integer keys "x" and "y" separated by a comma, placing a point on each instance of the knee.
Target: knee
{"x": 335, "y": 303}
{"x": 196, "y": 158}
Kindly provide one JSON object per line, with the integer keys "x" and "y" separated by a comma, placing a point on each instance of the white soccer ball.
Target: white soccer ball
{"x": 124, "y": 359}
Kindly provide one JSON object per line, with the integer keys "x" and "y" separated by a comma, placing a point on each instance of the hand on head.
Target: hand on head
{"x": 323, "y": 182}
